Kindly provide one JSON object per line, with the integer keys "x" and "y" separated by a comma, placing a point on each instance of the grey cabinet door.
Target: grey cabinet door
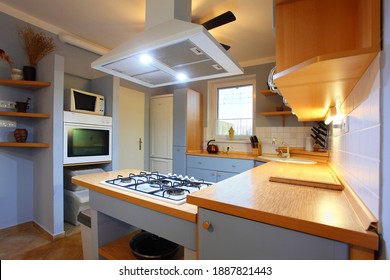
{"x": 221, "y": 175}
{"x": 230, "y": 237}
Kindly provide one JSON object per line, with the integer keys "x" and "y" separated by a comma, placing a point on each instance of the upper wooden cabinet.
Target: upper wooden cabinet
{"x": 322, "y": 50}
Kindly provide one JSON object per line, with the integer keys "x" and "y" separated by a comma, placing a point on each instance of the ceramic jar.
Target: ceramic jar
{"x": 16, "y": 74}
{"x": 20, "y": 135}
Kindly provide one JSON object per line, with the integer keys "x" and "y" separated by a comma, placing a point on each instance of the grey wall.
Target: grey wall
{"x": 16, "y": 164}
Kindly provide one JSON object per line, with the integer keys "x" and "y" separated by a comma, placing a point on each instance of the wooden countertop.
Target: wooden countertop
{"x": 236, "y": 155}
{"x": 321, "y": 212}
{"x": 92, "y": 181}
{"x": 295, "y": 152}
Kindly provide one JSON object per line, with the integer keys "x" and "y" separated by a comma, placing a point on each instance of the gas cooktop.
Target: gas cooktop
{"x": 169, "y": 188}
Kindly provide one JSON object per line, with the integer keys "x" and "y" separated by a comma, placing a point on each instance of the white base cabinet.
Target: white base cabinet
{"x": 213, "y": 169}
{"x": 223, "y": 236}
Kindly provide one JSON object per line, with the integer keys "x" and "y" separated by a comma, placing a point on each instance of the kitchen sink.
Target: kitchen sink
{"x": 291, "y": 159}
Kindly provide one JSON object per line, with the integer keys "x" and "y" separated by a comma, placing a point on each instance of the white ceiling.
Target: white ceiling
{"x": 108, "y": 23}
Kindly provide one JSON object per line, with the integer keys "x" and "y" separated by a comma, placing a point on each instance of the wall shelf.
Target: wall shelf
{"x": 283, "y": 114}
{"x": 29, "y": 85}
{"x": 267, "y": 92}
{"x": 24, "y": 145}
{"x": 276, "y": 113}
{"x": 25, "y": 115}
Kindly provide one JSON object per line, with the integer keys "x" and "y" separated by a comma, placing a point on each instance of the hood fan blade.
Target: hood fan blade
{"x": 219, "y": 20}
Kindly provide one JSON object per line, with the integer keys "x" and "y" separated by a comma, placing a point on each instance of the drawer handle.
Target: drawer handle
{"x": 233, "y": 166}
{"x": 206, "y": 225}
{"x": 199, "y": 162}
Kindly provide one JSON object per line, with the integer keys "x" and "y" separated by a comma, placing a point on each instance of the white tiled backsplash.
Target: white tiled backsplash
{"x": 356, "y": 154}
{"x": 294, "y": 136}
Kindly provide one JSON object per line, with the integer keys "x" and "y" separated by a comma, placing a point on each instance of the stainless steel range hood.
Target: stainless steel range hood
{"x": 178, "y": 51}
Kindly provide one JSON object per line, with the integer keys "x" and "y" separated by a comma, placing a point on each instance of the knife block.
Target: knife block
{"x": 257, "y": 151}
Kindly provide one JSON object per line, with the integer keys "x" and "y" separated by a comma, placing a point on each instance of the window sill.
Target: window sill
{"x": 236, "y": 141}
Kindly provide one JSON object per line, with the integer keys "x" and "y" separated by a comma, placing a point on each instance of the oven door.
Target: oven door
{"x": 85, "y": 143}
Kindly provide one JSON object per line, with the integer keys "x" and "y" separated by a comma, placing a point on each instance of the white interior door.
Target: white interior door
{"x": 131, "y": 129}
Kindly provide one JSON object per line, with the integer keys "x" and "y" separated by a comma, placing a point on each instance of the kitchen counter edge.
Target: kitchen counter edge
{"x": 255, "y": 182}
{"x": 93, "y": 181}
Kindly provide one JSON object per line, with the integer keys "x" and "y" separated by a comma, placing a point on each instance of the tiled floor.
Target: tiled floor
{"x": 25, "y": 242}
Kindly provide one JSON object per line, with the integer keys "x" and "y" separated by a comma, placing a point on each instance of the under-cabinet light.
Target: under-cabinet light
{"x": 332, "y": 112}
{"x": 333, "y": 115}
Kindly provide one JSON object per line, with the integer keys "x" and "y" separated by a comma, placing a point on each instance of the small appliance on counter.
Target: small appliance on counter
{"x": 212, "y": 148}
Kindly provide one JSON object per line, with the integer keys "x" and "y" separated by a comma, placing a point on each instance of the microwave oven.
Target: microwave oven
{"x": 84, "y": 102}
{"x": 87, "y": 138}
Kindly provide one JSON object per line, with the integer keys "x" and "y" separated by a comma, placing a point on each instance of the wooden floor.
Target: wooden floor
{"x": 26, "y": 242}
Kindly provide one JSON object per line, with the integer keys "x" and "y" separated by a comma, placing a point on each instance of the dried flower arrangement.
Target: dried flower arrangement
{"x": 6, "y": 58}
{"x": 36, "y": 44}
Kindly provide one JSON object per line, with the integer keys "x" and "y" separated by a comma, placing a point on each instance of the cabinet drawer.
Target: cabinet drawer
{"x": 220, "y": 164}
{"x": 202, "y": 174}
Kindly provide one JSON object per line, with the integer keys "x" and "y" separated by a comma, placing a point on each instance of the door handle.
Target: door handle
{"x": 140, "y": 144}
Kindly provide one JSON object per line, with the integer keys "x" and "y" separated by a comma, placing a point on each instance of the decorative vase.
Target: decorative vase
{"x": 20, "y": 135}
{"x": 231, "y": 133}
{"x": 29, "y": 73}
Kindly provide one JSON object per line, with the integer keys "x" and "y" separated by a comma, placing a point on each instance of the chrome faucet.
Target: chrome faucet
{"x": 284, "y": 155}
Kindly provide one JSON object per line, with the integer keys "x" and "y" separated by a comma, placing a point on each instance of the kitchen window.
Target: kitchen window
{"x": 232, "y": 106}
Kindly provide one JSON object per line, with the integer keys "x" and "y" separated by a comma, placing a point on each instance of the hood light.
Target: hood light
{"x": 145, "y": 59}
{"x": 181, "y": 77}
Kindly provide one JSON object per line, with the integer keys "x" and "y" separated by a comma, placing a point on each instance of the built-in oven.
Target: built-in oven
{"x": 87, "y": 138}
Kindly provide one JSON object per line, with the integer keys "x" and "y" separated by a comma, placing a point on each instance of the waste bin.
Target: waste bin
{"x": 84, "y": 218}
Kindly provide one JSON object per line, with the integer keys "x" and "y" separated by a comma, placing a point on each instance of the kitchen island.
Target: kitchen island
{"x": 299, "y": 217}
{"x": 116, "y": 213}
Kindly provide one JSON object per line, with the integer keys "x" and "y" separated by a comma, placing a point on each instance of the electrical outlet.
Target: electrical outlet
{"x": 6, "y": 123}
{"x": 345, "y": 124}
{"x": 7, "y": 104}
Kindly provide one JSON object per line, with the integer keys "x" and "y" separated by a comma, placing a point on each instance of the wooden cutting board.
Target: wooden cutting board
{"x": 318, "y": 178}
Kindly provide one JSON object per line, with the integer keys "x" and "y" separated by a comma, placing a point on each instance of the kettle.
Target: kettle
{"x": 212, "y": 148}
